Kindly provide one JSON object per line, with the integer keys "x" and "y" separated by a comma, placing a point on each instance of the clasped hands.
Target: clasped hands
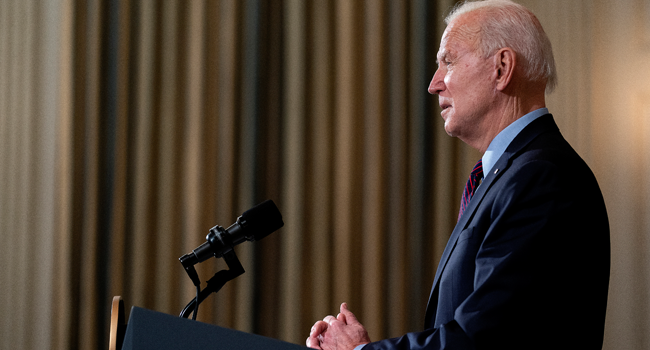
{"x": 343, "y": 332}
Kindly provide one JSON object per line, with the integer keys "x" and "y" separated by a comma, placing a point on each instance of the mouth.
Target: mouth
{"x": 445, "y": 106}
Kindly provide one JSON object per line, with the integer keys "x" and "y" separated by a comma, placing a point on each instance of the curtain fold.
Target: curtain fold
{"x": 131, "y": 128}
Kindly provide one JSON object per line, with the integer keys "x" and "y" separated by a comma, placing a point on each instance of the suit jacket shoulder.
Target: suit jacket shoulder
{"x": 527, "y": 265}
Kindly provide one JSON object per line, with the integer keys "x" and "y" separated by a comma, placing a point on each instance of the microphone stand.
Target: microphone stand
{"x": 216, "y": 282}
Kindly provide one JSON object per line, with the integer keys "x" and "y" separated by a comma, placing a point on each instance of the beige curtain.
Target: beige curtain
{"x": 129, "y": 128}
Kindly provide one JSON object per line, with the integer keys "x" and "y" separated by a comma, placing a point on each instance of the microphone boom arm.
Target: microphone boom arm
{"x": 217, "y": 281}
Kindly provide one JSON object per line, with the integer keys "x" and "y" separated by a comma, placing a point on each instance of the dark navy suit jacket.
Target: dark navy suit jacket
{"x": 527, "y": 265}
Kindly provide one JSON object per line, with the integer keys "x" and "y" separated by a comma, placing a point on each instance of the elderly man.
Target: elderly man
{"x": 527, "y": 265}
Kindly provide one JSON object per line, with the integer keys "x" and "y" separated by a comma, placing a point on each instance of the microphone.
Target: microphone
{"x": 253, "y": 225}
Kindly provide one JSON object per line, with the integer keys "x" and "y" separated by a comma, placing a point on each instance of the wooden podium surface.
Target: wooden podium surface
{"x": 118, "y": 324}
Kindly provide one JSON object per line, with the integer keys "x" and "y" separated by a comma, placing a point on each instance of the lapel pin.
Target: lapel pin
{"x": 496, "y": 171}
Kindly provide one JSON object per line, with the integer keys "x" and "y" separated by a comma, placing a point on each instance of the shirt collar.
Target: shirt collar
{"x": 505, "y": 137}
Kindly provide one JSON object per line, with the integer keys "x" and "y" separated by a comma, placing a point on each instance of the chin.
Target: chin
{"x": 448, "y": 130}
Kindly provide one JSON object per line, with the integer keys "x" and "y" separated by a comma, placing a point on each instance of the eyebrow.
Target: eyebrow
{"x": 440, "y": 55}
{"x": 443, "y": 55}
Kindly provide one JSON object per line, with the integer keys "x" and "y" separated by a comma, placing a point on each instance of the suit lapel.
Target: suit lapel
{"x": 474, "y": 203}
{"x": 530, "y": 132}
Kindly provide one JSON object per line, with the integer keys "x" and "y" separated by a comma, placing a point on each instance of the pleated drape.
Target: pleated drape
{"x": 130, "y": 128}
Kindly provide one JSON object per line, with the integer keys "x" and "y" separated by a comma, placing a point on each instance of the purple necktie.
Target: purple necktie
{"x": 472, "y": 183}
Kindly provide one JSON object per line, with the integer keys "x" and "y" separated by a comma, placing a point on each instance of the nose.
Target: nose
{"x": 437, "y": 82}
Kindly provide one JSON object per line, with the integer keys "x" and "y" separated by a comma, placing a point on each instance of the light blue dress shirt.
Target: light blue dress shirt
{"x": 504, "y": 138}
{"x": 500, "y": 143}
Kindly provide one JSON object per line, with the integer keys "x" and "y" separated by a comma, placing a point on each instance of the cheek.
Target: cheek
{"x": 470, "y": 89}
{"x": 457, "y": 83}
{"x": 449, "y": 81}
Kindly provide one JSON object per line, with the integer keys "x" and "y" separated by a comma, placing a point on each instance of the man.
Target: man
{"x": 527, "y": 265}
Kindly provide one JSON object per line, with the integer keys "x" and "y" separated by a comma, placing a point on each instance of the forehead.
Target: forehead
{"x": 461, "y": 35}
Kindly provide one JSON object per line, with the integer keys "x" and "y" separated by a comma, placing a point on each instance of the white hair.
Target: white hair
{"x": 512, "y": 25}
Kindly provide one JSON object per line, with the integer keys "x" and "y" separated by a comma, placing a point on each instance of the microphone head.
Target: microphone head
{"x": 261, "y": 220}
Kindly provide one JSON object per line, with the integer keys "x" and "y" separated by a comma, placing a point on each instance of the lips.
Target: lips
{"x": 444, "y": 103}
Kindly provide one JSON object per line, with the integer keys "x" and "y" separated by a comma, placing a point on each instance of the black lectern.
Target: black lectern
{"x": 148, "y": 329}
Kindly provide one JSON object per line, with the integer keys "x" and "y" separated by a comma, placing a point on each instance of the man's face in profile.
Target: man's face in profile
{"x": 462, "y": 80}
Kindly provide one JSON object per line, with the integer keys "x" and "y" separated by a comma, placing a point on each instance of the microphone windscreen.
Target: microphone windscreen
{"x": 262, "y": 219}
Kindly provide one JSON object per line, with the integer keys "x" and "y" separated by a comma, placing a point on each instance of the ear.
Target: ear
{"x": 505, "y": 62}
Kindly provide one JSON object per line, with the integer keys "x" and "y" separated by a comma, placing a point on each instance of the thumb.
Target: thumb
{"x": 349, "y": 316}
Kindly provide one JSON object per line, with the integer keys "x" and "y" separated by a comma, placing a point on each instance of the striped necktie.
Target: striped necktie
{"x": 472, "y": 183}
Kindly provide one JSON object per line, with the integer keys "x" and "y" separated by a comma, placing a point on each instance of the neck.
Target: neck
{"x": 507, "y": 111}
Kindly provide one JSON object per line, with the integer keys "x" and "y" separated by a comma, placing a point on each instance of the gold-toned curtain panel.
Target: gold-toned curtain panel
{"x": 130, "y": 128}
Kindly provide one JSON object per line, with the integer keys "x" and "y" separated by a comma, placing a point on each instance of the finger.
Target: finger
{"x": 349, "y": 316}
{"x": 344, "y": 306}
{"x": 341, "y": 317}
{"x": 313, "y": 343}
{"x": 328, "y": 319}
{"x": 318, "y": 328}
